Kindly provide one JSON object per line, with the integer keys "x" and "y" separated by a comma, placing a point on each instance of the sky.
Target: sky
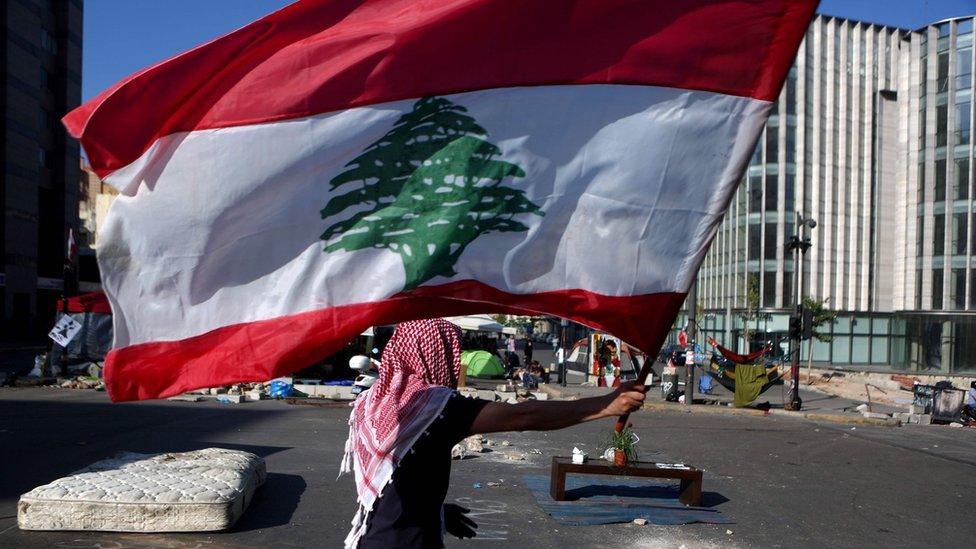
{"x": 124, "y": 36}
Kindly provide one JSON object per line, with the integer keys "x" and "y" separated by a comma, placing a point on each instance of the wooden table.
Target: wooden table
{"x": 689, "y": 492}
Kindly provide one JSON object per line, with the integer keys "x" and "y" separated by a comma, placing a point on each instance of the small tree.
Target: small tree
{"x": 501, "y": 319}
{"x": 822, "y": 316}
{"x": 751, "y": 311}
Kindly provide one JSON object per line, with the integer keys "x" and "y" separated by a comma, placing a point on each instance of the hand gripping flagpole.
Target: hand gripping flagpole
{"x": 645, "y": 370}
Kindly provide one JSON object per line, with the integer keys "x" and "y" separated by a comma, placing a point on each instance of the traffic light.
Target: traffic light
{"x": 807, "y": 323}
{"x": 796, "y": 327}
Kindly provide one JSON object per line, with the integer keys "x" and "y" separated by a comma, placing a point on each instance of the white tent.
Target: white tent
{"x": 476, "y": 323}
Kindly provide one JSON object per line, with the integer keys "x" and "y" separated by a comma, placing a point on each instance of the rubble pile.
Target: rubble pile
{"x": 81, "y": 383}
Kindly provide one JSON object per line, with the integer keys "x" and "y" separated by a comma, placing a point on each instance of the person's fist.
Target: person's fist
{"x": 626, "y": 399}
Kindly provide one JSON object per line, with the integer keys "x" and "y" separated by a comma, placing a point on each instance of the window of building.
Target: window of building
{"x": 938, "y": 235}
{"x": 921, "y": 183}
{"x": 755, "y": 194}
{"x": 940, "y": 180}
{"x": 941, "y": 129}
{"x": 937, "y": 288}
{"x": 791, "y": 143}
{"x": 921, "y": 128}
{"x": 770, "y": 242}
{"x": 964, "y": 69}
{"x": 964, "y": 27}
{"x": 958, "y": 286}
{"x": 791, "y": 92}
{"x": 769, "y": 289}
{"x": 959, "y": 233}
{"x": 772, "y": 193}
{"x": 963, "y": 110}
{"x": 972, "y": 284}
{"x": 772, "y": 144}
{"x": 755, "y": 242}
{"x": 756, "y": 155}
{"x": 41, "y": 158}
{"x": 788, "y": 289}
{"x": 942, "y": 73}
{"x": 962, "y": 178}
{"x": 790, "y": 188}
{"x": 48, "y": 42}
{"x": 918, "y": 289}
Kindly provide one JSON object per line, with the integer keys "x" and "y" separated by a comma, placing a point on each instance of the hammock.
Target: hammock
{"x": 736, "y": 357}
{"x": 723, "y": 371}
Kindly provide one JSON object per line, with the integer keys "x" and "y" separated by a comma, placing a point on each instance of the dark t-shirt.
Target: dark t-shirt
{"x": 408, "y": 514}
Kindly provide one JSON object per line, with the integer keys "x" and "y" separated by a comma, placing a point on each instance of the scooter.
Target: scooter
{"x": 369, "y": 372}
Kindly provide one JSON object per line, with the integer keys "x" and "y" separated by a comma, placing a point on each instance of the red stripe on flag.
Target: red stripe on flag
{"x": 319, "y": 56}
{"x": 259, "y": 351}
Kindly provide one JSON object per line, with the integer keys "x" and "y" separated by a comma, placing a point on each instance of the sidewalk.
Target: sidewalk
{"x": 817, "y": 406}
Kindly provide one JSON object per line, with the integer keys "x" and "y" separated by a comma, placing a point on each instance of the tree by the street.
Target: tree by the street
{"x": 751, "y": 312}
{"x": 822, "y": 316}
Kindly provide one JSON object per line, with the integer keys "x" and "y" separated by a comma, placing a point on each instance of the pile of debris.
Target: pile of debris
{"x": 81, "y": 383}
{"x": 504, "y": 392}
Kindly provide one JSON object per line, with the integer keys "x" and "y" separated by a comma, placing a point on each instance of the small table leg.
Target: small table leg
{"x": 690, "y": 491}
{"x": 557, "y": 482}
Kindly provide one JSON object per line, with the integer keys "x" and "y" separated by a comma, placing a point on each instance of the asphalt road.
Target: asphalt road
{"x": 786, "y": 482}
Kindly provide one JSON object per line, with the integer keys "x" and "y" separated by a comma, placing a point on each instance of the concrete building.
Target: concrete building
{"x": 41, "y": 81}
{"x": 95, "y": 198}
{"x": 871, "y": 137}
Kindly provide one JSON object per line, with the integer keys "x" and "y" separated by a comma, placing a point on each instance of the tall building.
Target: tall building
{"x": 871, "y": 138}
{"x": 41, "y": 80}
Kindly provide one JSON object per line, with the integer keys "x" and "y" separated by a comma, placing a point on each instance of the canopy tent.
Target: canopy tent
{"x": 476, "y": 323}
{"x": 482, "y": 364}
{"x": 93, "y": 341}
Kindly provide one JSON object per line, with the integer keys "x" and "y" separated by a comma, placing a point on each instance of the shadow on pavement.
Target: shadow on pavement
{"x": 274, "y": 503}
{"x": 664, "y": 493}
{"x": 45, "y": 439}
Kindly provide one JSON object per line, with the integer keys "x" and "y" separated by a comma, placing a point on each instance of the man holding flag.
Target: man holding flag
{"x": 342, "y": 164}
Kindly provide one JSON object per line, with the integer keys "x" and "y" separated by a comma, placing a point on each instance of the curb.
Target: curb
{"x": 810, "y": 416}
{"x": 556, "y": 393}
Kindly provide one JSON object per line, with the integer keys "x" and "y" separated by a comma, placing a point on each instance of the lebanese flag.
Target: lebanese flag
{"x": 337, "y": 165}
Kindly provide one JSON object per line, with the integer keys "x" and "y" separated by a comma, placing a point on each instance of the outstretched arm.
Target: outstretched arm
{"x": 546, "y": 416}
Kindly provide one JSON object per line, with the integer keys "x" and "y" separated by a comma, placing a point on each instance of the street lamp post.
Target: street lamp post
{"x": 563, "y": 324}
{"x": 799, "y": 245}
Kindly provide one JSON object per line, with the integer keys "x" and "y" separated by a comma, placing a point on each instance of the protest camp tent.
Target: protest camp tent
{"x": 94, "y": 340}
{"x": 482, "y": 364}
{"x": 476, "y": 323}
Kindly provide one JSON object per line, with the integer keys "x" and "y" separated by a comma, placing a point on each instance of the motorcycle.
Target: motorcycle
{"x": 369, "y": 372}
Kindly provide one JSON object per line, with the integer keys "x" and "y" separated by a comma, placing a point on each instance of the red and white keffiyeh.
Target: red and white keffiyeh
{"x": 418, "y": 373}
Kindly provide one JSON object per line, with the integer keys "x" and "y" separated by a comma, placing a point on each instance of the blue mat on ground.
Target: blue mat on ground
{"x": 603, "y": 501}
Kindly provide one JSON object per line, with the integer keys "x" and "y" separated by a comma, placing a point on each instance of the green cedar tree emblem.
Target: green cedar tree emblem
{"x": 426, "y": 190}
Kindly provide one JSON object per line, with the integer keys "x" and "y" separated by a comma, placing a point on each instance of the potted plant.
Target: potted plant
{"x": 624, "y": 446}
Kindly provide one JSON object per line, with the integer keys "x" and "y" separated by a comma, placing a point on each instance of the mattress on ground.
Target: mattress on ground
{"x": 203, "y": 490}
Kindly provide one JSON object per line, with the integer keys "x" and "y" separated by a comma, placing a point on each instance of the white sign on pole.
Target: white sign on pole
{"x": 65, "y": 330}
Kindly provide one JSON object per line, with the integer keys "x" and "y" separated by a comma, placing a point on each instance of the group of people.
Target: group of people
{"x": 402, "y": 431}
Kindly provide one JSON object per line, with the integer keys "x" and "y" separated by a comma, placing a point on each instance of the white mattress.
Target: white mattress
{"x": 203, "y": 490}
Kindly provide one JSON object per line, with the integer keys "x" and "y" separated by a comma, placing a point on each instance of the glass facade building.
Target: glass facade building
{"x": 871, "y": 137}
